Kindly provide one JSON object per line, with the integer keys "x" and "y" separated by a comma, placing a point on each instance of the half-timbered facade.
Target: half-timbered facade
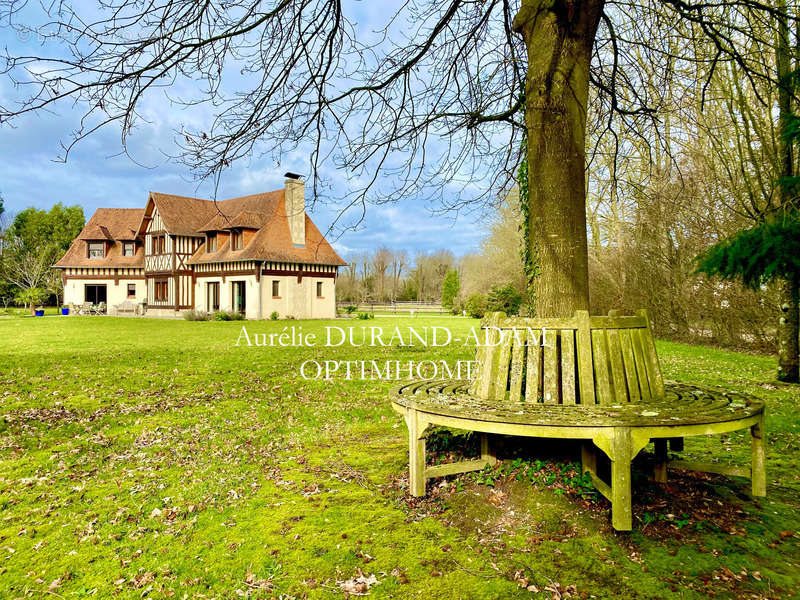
{"x": 255, "y": 255}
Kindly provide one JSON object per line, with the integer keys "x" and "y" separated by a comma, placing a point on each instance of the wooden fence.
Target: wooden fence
{"x": 407, "y": 307}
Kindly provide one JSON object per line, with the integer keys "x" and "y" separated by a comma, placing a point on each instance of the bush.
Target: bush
{"x": 225, "y": 315}
{"x": 33, "y": 296}
{"x": 196, "y": 315}
{"x": 273, "y": 315}
{"x": 504, "y": 299}
{"x": 458, "y": 306}
{"x": 350, "y": 309}
{"x": 476, "y": 305}
{"x": 365, "y": 316}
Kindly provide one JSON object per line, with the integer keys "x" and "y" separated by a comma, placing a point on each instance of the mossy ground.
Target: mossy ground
{"x": 146, "y": 457}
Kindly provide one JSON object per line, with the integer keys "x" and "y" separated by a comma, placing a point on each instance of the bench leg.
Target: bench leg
{"x": 416, "y": 453}
{"x": 660, "y": 469}
{"x": 487, "y": 452}
{"x": 588, "y": 458}
{"x": 758, "y": 471}
{"x": 621, "y": 456}
{"x": 676, "y": 444}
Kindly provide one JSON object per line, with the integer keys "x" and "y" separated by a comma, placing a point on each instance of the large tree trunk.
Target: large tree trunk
{"x": 789, "y": 326}
{"x": 788, "y": 341}
{"x": 559, "y": 35}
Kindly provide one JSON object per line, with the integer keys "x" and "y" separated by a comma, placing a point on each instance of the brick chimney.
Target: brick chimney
{"x": 295, "y": 196}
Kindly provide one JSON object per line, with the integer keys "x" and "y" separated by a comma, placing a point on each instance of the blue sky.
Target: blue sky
{"x": 96, "y": 174}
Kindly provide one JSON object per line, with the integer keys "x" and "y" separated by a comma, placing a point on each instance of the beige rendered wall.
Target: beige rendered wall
{"x": 299, "y": 299}
{"x": 116, "y": 293}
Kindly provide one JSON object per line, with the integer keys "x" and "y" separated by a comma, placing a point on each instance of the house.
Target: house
{"x": 255, "y": 255}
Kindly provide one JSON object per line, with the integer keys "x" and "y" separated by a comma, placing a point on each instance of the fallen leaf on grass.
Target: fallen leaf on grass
{"x": 401, "y": 576}
{"x": 256, "y": 582}
{"x": 359, "y": 585}
{"x": 496, "y": 497}
{"x": 141, "y": 580}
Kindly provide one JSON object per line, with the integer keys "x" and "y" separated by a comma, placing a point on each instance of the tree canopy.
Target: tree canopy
{"x": 38, "y": 229}
{"x": 33, "y": 242}
{"x": 450, "y": 288}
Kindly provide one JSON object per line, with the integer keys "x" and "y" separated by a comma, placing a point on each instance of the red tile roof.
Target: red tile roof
{"x": 114, "y": 225}
{"x": 183, "y": 215}
{"x": 273, "y": 241}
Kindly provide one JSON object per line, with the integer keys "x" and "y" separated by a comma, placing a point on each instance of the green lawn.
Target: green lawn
{"x": 154, "y": 458}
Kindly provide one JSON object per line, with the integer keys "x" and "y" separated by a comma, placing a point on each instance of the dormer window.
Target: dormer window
{"x": 211, "y": 242}
{"x": 97, "y": 250}
{"x": 128, "y": 249}
{"x": 236, "y": 239}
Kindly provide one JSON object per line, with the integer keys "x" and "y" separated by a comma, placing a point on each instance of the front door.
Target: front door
{"x": 95, "y": 293}
{"x": 239, "y": 296}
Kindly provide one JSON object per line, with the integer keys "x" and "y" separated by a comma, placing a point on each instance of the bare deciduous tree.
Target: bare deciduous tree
{"x": 444, "y": 82}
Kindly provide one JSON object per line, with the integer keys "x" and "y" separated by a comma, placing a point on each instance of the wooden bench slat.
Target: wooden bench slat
{"x": 615, "y": 322}
{"x": 503, "y": 358}
{"x": 653, "y": 368}
{"x": 617, "y": 370}
{"x": 483, "y": 386}
{"x": 537, "y": 323}
{"x": 641, "y": 365}
{"x": 648, "y": 363}
{"x": 583, "y": 341}
{"x": 517, "y": 365}
{"x": 550, "y": 368}
{"x": 532, "y": 376}
{"x": 630, "y": 365}
{"x": 601, "y": 373}
{"x": 567, "y": 366}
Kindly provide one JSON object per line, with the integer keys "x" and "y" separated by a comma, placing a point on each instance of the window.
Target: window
{"x": 211, "y": 242}
{"x": 131, "y": 290}
{"x": 276, "y": 289}
{"x": 160, "y": 291}
{"x": 236, "y": 240}
{"x": 97, "y": 250}
{"x": 128, "y": 249}
{"x": 158, "y": 244}
{"x": 319, "y": 289}
{"x": 212, "y": 296}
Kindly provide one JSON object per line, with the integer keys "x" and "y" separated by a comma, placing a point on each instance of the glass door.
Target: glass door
{"x": 212, "y": 296}
{"x": 239, "y": 296}
{"x": 95, "y": 293}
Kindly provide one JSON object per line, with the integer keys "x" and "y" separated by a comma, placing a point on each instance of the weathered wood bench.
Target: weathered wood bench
{"x": 595, "y": 379}
{"x": 126, "y": 306}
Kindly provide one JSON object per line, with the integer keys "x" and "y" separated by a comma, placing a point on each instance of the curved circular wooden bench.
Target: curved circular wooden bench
{"x": 593, "y": 408}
